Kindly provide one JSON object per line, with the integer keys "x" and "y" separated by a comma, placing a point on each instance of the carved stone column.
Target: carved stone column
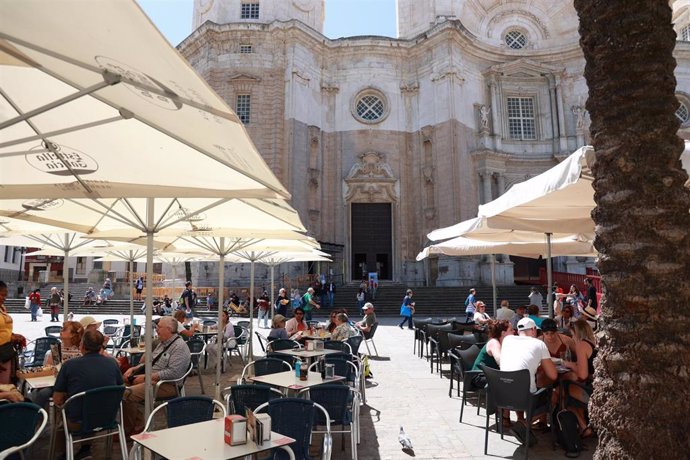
{"x": 486, "y": 187}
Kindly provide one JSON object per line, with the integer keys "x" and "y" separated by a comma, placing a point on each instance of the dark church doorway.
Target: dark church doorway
{"x": 372, "y": 242}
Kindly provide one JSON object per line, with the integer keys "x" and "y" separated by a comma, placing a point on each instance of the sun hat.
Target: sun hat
{"x": 590, "y": 313}
{"x": 549, "y": 325}
{"x": 525, "y": 324}
{"x": 88, "y": 321}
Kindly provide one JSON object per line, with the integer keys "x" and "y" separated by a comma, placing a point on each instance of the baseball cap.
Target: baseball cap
{"x": 88, "y": 321}
{"x": 525, "y": 324}
{"x": 367, "y": 306}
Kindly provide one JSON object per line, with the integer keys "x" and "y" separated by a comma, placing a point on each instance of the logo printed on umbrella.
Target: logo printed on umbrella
{"x": 61, "y": 160}
{"x": 136, "y": 76}
{"x": 42, "y": 204}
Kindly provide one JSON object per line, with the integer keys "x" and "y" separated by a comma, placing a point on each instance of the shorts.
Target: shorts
{"x": 139, "y": 291}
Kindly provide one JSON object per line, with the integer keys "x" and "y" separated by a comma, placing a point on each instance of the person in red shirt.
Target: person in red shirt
{"x": 35, "y": 303}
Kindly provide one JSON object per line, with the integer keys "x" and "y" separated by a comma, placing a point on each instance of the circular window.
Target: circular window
{"x": 682, "y": 113}
{"x": 370, "y": 106}
{"x": 515, "y": 39}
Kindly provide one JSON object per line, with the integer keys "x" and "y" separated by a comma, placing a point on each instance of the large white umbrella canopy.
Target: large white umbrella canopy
{"x": 558, "y": 200}
{"x": 97, "y": 108}
{"x": 94, "y": 102}
{"x": 461, "y": 246}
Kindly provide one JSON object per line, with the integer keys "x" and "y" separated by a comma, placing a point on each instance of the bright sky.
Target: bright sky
{"x": 344, "y": 18}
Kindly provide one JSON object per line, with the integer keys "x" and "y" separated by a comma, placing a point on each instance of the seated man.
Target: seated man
{"x": 533, "y": 313}
{"x": 343, "y": 330}
{"x": 368, "y": 320}
{"x": 89, "y": 296}
{"x": 505, "y": 313}
{"x": 91, "y": 370}
{"x": 525, "y": 351}
{"x": 481, "y": 317}
{"x": 170, "y": 361}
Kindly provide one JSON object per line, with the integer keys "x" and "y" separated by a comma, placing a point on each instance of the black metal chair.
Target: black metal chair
{"x": 511, "y": 391}
{"x": 464, "y": 341}
{"x": 22, "y": 424}
{"x": 461, "y": 364}
{"x": 419, "y": 335}
{"x": 369, "y": 338}
{"x": 263, "y": 340}
{"x": 53, "y": 331}
{"x": 433, "y": 333}
{"x": 239, "y": 398}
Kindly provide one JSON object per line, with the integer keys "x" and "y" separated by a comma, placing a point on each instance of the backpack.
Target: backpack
{"x": 567, "y": 433}
{"x": 467, "y": 301}
{"x": 305, "y": 304}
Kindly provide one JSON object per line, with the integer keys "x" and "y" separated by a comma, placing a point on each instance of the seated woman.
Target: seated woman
{"x": 564, "y": 319}
{"x": 582, "y": 372}
{"x": 490, "y": 355}
{"x": 181, "y": 318}
{"x": 278, "y": 330}
{"x": 557, "y": 343}
{"x": 296, "y": 326}
{"x": 331, "y": 322}
{"x": 70, "y": 338}
{"x": 343, "y": 330}
{"x": 229, "y": 341}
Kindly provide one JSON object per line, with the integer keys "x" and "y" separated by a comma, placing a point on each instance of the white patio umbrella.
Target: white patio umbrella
{"x": 576, "y": 245}
{"x": 100, "y": 107}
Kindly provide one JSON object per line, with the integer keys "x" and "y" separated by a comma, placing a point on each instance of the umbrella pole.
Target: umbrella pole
{"x": 273, "y": 305}
{"x": 219, "y": 336}
{"x": 549, "y": 275}
{"x": 493, "y": 279}
{"x": 251, "y": 309}
{"x": 148, "y": 401}
{"x": 131, "y": 296}
{"x": 65, "y": 300}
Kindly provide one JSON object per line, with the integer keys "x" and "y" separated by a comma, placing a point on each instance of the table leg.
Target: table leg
{"x": 52, "y": 417}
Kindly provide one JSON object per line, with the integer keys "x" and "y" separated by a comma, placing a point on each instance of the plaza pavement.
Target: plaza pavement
{"x": 402, "y": 392}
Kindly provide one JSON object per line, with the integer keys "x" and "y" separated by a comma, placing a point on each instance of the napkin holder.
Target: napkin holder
{"x": 235, "y": 432}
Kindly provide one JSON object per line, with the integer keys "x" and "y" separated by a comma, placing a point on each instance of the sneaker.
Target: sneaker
{"x": 400, "y": 326}
{"x": 83, "y": 454}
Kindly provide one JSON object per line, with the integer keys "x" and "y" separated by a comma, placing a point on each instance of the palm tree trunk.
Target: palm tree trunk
{"x": 641, "y": 401}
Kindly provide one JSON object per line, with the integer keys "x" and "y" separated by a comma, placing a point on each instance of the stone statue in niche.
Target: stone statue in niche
{"x": 579, "y": 113}
{"x": 484, "y": 112}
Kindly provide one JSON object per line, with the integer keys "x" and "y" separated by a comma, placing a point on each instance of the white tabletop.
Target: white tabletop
{"x": 202, "y": 441}
{"x": 302, "y": 353}
{"x": 289, "y": 380}
{"x": 40, "y": 382}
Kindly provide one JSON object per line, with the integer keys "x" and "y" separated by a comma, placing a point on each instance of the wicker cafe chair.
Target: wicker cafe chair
{"x": 197, "y": 348}
{"x": 419, "y": 335}
{"x": 99, "y": 412}
{"x": 22, "y": 424}
{"x": 343, "y": 347}
{"x": 283, "y": 344}
{"x": 36, "y": 350}
{"x": 53, "y": 331}
{"x": 294, "y": 417}
{"x": 239, "y": 398}
{"x": 342, "y": 405}
{"x": 263, "y": 366}
{"x": 179, "y": 412}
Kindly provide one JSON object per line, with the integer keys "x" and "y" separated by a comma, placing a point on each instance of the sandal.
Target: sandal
{"x": 587, "y": 433}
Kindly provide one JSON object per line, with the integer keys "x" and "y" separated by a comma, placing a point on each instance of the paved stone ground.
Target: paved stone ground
{"x": 402, "y": 392}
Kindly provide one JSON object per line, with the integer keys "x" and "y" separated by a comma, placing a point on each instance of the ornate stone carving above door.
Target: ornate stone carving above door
{"x": 371, "y": 180}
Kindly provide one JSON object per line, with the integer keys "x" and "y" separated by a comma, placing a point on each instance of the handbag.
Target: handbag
{"x": 27, "y": 303}
{"x": 405, "y": 310}
{"x": 7, "y": 352}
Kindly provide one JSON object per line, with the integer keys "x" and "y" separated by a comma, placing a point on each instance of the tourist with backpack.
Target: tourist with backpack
{"x": 308, "y": 303}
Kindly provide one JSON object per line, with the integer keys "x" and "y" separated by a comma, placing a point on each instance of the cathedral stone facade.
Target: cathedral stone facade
{"x": 381, "y": 140}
